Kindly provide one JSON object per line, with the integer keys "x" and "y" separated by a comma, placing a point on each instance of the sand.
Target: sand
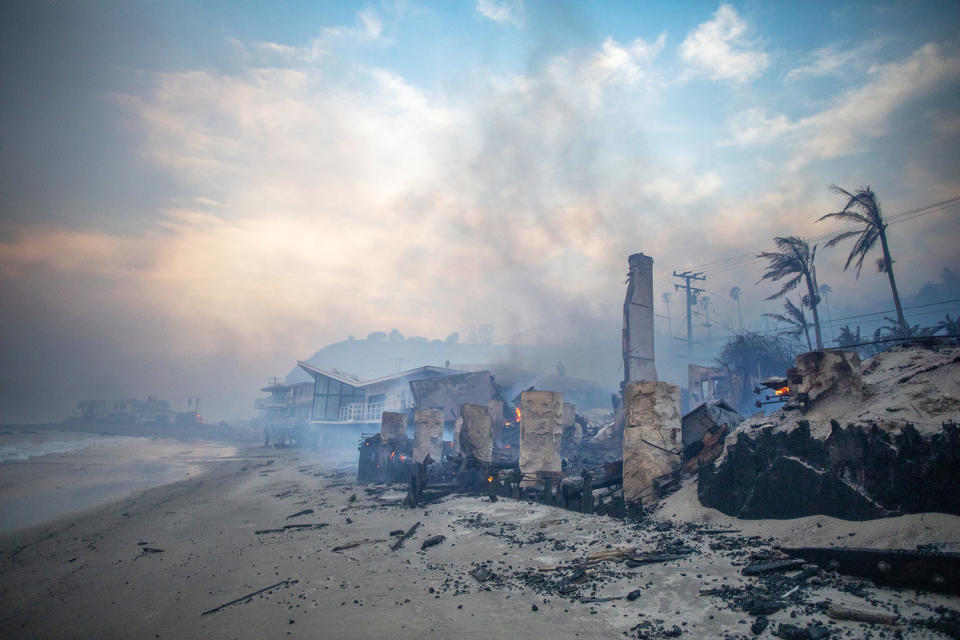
{"x": 88, "y": 575}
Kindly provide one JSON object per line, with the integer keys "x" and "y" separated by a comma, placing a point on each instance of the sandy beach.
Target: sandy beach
{"x": 162, "y": 563}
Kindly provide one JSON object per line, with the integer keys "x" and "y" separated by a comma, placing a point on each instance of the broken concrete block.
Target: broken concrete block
{"x": 541, "y": 428}
{"x": 393, "y": 426}
{"x": 827, "y": 373}
{"x": 427, "y": 434}
{"x": 652, "y": 430}
{"x": 476, "y": 436}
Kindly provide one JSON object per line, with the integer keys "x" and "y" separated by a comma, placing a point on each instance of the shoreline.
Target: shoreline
{"x": 224, "y": 534}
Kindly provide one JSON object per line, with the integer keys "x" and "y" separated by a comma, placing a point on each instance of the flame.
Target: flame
{"x": 402, "y": 457}
{"x": 506, "y": 446}
{"x": 393, "y": 454}
{"x": 489, "y": 478}
{"x": 783, "y": 391}
{"x": 519, "y": 414}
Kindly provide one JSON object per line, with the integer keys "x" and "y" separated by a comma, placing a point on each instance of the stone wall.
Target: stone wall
{"x": 393, "y": 426}
{"x": 476, "y": 436}
{"x": 652, "y": 425}
{"x": 541, "y": 429}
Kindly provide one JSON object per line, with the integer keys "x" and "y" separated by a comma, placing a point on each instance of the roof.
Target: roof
{"x": 353, "y": 381}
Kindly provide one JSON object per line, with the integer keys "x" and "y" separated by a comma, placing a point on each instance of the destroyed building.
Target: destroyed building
{"x": 854, "y": 440}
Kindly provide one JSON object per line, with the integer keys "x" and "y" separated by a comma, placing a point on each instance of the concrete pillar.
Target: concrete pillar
{"x": 541, "y": 429}
{"x": 652, "y": 425}
{"x": 427, "y": 434}
{"x": 476, "y": 437}
{"x": 638, "y": 355}
{"x": 393, "y": 426}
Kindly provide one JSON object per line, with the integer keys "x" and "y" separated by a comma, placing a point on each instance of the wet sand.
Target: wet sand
{"x": 91, "y": 575}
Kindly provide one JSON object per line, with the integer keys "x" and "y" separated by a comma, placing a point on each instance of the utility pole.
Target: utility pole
{"x": 692, "y": 292}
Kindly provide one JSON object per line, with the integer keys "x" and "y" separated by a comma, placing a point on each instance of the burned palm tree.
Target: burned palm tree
{"x": 796, "y": 321}
{"x": 863, "y": 208}
{"x": 794, "y": 260}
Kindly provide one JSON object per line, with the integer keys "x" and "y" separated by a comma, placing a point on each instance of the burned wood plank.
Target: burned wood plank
{"x": 432, "y": 541}
{"x": 286, "y": 582}
{"x": 843, "y": 613}
{"x": 651, "y": 558}
{"x": 932, "y": 570}
{"x": 356, "y": 543}
{"x": 305, "y": 512}
{"x": 768, "y": 567}
{"x": 399, "y": 543}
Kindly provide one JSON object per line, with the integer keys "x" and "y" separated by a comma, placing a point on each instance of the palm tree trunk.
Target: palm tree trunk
{"x": 888, "y": 265}
{"x": 812, "y": 290}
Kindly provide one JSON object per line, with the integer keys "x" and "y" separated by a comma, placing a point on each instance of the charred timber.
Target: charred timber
{"x": 933, "y": 571}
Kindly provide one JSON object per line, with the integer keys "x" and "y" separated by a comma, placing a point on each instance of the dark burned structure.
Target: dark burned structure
{"x": 463, "y": 434}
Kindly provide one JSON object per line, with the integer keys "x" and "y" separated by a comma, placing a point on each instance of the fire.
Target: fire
{"x": 402, "y": 457}
{"x": 783, "y": 391}
{"x": 519, "y": 414}
{"x": 489, "y": 478}
{"x": 393, "y": 453}
{"x": 506, "y": 446}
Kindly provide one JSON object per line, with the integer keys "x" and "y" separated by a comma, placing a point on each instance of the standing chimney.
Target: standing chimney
{"x": 638, "y": 356}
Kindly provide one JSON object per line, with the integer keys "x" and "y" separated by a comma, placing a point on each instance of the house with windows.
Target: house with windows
{"x": 342, "y": 399}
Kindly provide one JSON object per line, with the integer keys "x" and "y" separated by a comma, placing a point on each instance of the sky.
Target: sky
{"x": 195, "y": 195}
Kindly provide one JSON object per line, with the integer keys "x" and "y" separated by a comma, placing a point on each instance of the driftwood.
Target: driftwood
{"x": 248, "y": 596}
{"x": 399, "y": 543}
{"x": 432, "y": 541}
{"x": 768, "y": 567}
{"x": 843, "y": 613}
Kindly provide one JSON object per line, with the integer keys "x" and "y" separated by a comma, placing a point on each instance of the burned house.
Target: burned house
{"x": 286, "y": 409}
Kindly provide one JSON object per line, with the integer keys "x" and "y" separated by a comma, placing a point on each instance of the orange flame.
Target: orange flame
{"x": 489, "y": 478}
{"x": 393, "y": 454}
{"x": 783, "y": 391}
{"x": 519, "y": 414}
{"x": 402, "y": 457}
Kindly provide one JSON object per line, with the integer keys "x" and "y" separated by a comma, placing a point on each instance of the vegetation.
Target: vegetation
{"x": 750, "y": 356}
{"x": 796, "y": 321}
{"x": 793, "y": 260}
{"x": 863, "y": 208}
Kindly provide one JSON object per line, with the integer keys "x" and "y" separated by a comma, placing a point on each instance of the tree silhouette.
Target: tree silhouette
{"x": 795, "y": 319}
{"x": 735, "y": 293}
{"x": 794, "y": 260}
{"x": 863, "y": 208}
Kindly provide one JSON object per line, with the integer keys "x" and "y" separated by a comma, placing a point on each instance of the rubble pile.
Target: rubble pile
{"x": 862, "y": 440}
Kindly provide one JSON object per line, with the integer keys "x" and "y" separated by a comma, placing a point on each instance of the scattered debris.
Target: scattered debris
{"x": 399, "y": 543}
{"x": 305, "y": 512}
{"x": 432, "y": 541}
{"x": 356, "y": 543}
{"x": 843, "y": 613}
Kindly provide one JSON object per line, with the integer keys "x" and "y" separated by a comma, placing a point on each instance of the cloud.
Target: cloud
{"x": 832, "y": 60}
{"x": 719, "y": 49}
{"x": 502, "y": 11}
{"x": 857, "y": 115}
{"x": 673, "y": 191}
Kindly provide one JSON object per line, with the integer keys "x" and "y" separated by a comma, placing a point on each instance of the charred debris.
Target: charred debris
{"x": 850, "y": 439}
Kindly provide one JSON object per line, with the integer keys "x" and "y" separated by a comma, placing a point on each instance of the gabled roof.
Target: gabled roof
{"x": 353, "y": 381}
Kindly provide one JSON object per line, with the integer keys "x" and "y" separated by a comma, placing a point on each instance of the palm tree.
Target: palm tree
{"x": 825, "y": 290}
{"x": 735, "y": 294}
{"x": 794, "y": 260}
{"x": 795, "y": 319}
{"x": 863, "y": 208}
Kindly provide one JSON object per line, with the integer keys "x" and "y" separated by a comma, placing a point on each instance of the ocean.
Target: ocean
{"x": 45, "y": 475}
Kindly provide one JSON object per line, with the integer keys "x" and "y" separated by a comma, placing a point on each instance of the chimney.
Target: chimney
{"x": 638, "y": 356}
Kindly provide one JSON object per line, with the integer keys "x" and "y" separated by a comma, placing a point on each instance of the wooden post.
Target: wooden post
{"x": 586, "y": 501}
{"x": 546, "y": 498}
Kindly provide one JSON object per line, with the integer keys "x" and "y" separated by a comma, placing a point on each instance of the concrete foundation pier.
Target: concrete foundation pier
{"x": 541, "y": 430}
{"x": 427, "y": 434}
{"x": 652, "y": 431}
{"x": 476, "y": 436}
